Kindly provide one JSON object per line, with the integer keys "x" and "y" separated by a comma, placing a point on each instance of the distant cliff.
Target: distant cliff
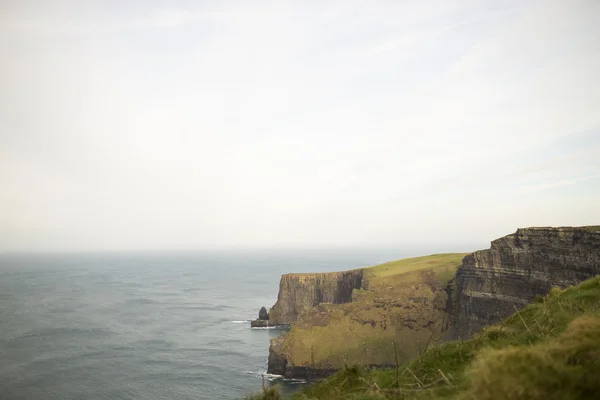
{"x": 301, "y": 292}
{"x": 491, "y": 283}
{"x": 353, "y": 317}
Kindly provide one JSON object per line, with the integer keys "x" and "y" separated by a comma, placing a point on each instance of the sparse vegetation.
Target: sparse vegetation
{"x": 438, "y": 261}
{"x": 403, "y": 301}
{"x": 549, "y": 350}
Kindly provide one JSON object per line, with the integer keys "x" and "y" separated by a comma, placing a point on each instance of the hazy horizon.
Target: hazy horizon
{"x": 399, "y": 250}
{"x": 178, "y": 126}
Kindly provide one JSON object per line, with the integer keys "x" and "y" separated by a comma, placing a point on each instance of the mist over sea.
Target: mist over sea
{"x": 146, "y": 325}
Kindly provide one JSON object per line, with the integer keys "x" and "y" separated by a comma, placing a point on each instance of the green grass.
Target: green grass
{"x": 416, "y": 263}
{"x": 548, "y": 351}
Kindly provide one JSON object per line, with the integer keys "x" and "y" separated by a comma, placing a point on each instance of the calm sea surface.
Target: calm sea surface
{"x": 144, "y": 326}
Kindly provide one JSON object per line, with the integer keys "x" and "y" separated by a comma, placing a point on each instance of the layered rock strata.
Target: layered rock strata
{"x": 301, "y": 292}
{"x": 400, "y": 303}
{"x": 491, "y": 284}
{"x": 488, "y": 286}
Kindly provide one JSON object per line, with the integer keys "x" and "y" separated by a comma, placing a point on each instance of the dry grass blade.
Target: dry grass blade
{"x": 414, "y": 376}
{"x": 429, "y": 386}
{"x": 371, "y": 385}
{"x": 522, "y": 320}
{"x": 445, "y": 377}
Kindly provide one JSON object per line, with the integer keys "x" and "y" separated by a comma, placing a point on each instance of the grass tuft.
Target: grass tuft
{"x": 566, "y": 367}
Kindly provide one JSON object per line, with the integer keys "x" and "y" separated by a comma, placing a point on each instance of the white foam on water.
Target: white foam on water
{"x": 256, "y": 373}
{"x": 274, "y": 377}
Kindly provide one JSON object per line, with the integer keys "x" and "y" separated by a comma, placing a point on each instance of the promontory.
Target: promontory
{"x": 389, "y": 313}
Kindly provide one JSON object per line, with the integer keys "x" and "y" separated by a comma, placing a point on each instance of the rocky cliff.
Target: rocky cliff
{"x": 492, "y": 283}
{"x": 399, "y": 302}
{"x": 301, "y": 292}
{"x": 355, "y": 317}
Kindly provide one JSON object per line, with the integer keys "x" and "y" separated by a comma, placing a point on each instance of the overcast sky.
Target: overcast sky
{"x": 192, "y": 125}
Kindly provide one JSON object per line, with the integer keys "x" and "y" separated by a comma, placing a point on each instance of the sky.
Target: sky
{"x": 290, "y": 124}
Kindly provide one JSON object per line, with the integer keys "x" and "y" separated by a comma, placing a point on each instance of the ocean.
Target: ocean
{"x": 146, "y": 325}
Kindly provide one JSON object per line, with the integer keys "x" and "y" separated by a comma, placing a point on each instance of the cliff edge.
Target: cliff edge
{"x": 373, "y": 315}
{"x": 491, "y": 284}
{"x": 353, "y": 317}
{"x": 301, "y": 292}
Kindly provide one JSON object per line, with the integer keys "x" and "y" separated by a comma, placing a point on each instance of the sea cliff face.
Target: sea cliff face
{"x": 401, "y": 302}
{"x": 492, "y": 283}
{"x": 301, "y": 292}
{"x": 357, "y": 317}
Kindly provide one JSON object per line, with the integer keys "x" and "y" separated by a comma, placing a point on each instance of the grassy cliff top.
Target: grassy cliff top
{"x": 549, "y": 350}
{"x": 401, "y": 300}
{"x": 397, "y": 267}
{"x": 311, "y": 274}
{"x": 416, "y": 263}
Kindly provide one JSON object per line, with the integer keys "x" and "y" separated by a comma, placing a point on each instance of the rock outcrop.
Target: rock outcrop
{"x": 492, "y": 283}
{"x": 263, "y": 314}
{"x": 277, "y": 362}
{"x": 301, "y": 292}
{"x": 263, "y": 319}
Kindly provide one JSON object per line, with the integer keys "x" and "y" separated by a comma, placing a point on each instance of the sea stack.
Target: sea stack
{"x": 263, "y": 319}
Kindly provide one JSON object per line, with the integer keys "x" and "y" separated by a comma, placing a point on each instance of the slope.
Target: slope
{"x": 549, "y": 350}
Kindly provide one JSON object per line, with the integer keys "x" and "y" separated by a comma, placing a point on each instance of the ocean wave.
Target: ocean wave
{"x": 274, "y": 377}
{"x": 141, "y": 300}
{"x": 255, "y": 373}
{"x": 240, "y": 322}
{"x": 269, "y": 377}
{"x": 61, "y": 332}
{"x": 264, "y": 327}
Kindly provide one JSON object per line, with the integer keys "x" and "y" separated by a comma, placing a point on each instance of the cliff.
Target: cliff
{"x": 402, "y": 301}
{"x": 549, "y": 350}
{"x": 492, "y": 283}
{"x": 355, "y": 317}
{"x": 301, "y": 292}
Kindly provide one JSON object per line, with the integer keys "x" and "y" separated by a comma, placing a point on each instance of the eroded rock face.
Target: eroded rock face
{"x": 277, "y": 362}
{"x": 301, "y": 292}
{"x": 259, "y": 323}
{"x": 262, "y": 321}
{"x": 492, "y": 283}
{"x": 263, "y": 314}
{"x": 408, "y": 308}
{"x": 488, "y": 286}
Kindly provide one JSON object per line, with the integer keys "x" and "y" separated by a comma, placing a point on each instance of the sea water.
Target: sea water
{"x": 145, "y": 325}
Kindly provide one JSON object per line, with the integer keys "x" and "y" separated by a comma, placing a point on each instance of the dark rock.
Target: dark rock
{"x": 277, "y": 362}
{"x": 263, "y": 314}
{"x": 259, "y": 323}
{"x": 492, "y": 283}
{"x": 279, "y": 365}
